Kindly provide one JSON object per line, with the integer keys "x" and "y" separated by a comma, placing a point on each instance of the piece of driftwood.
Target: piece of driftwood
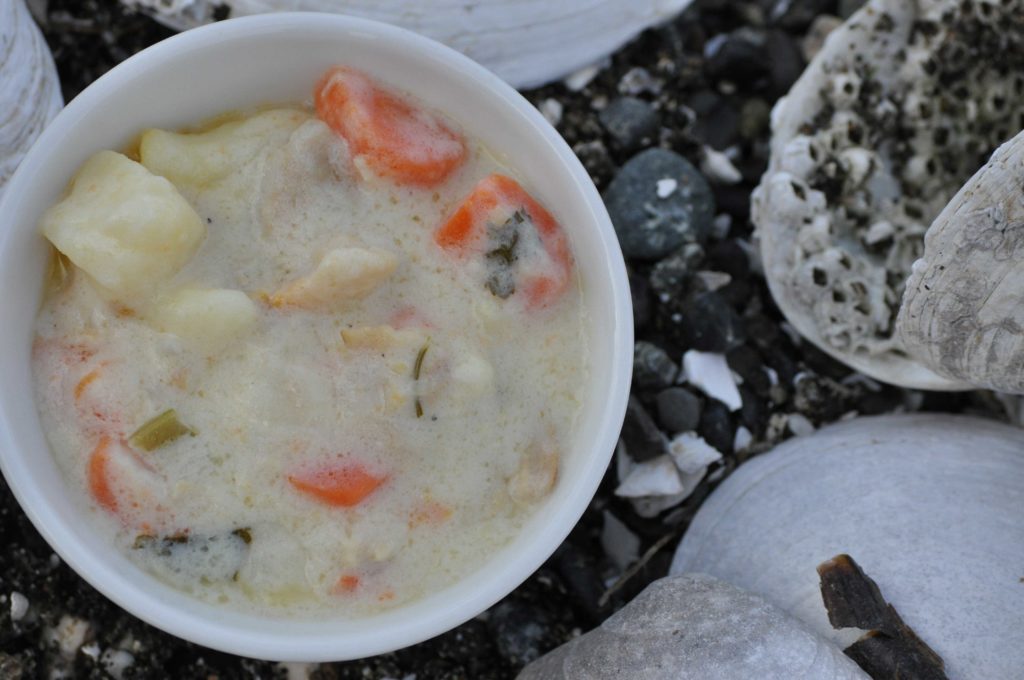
{"x": 890, "y": 649}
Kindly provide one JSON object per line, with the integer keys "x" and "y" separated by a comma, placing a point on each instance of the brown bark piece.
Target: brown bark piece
{"x": 890, "y": 650}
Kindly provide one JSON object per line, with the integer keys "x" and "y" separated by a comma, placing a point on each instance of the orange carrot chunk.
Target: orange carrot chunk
{"x": 346, "y": 584}
{"x": 99, "y": 476}
{"x": 498, "y": 220}
{"x": 397, "y": 140}
{"x": 341, "y": 486}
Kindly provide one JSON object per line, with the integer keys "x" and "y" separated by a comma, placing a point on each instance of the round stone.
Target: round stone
{"x": 678, "y": 409}
{"x": 657, "y": 202}
{"x": 632, "y": 123}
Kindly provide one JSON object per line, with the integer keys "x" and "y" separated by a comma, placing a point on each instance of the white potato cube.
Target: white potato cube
{"x": 208, "y": 320}
{"x": 125, "y": 227}
{"x": 201, "y": 158}
{"x": 343, "y": 274}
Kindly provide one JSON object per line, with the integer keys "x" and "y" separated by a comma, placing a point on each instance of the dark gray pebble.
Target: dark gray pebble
{"x": 718, "y": 122}
{"x": 746, "y": 363}
{"x": 648, "y": 226}
{"x": 740, "y": 57}
{"x": 678, "y": 409}
{"x": 653, "y": 369}
{"x": 640, "y": 433}
{"x": 786, "y": 61}
{"x": 711, "y": 325}
{"x": 520, "y": 631}
{"x": 717, "y": 426}
{"x": 669, "y": 277}
{"x": 632, "y": 123}
{"x": 640, "y": 292}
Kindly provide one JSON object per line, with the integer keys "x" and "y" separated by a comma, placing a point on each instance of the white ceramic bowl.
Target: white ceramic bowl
{"x": 278, "y": 58}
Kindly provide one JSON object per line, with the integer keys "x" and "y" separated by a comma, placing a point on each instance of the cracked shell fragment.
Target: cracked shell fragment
{"x": 962, "y": 313}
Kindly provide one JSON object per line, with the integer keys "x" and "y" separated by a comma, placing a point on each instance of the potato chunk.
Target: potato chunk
{"x": 127, "y": 228}
{"x": 208, "y": 320}
{"x": 202, "y": 158}
{"x": 343, "y": 274}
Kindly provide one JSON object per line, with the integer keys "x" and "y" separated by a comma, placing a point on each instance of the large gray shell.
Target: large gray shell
{"x": 931, "y": 506}
{"x": 695, "y": 627}
{"x": 29, "y": 89}
{"x": 901, "y": 106}
{"x": 962, "y": 311}
{"x": 525, "y": 42}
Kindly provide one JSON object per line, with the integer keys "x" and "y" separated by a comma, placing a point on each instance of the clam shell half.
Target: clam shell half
{"x": 526, "y": 42}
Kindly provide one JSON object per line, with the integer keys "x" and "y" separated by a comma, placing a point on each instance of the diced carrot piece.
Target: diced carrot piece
{"x": 494, "y": 200}
{"x": 84, "y": 382}
{"x": 401, "y": 142}
{"x": 346, "y": 584}
{"x": 99, "y": 476}
{"x": 341, "y": 486}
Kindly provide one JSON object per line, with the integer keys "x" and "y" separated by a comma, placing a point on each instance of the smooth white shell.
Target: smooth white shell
{"x": 929, "y": 505}
{"x": 962, "y": 310}
{"x": 29, "y": 89}
{"x": 695, "y": 627}
{"x": 526, "y": 42}
{"x": 857, "y": 170}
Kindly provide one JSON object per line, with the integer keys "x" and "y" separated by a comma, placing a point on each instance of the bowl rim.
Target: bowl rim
{"x": 285, "y": 645}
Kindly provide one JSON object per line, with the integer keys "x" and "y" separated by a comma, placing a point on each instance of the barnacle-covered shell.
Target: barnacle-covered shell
{"x": 962, "y": 311}
{"x": 902, "y": 105}
{"x": 696, "y": 627}
{"x": 29, "y": 89}
{"x": 526, "y": 42}
{"x": 929, "y": 505}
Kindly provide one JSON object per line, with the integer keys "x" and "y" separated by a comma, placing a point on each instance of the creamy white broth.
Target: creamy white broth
{"x": 462, "y": 450}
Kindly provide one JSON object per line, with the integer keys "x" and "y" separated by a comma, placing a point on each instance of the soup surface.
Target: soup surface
{"x": 318, "y": 358}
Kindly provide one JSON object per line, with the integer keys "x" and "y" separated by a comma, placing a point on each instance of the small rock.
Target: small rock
{"x": 816, "y": 34}
{"x": 746, "y": 363}
{"x": 669, "y": 276}
{"x": 640, "y": 433}
{"x": 638, "y": 80}
{"x": 19, "y": 606}
{"x": 620, "y": 544}
{"x": 552, "y": 110}
{"x": 712, "y": 280}
{"x": 519, "y": 630}
{"x": 653, "y": 369}
{"x": 741, "y": 57}
{"x": 717, "y": 122}
{"x": 716, "y": 426}
{"x": 799, "y": 425}
{"x": 631, "y": 122}
{"x": 640, "y": 292}
{"x": 786, "y": 61}
{"x": 595, "y": 158}
{"x": 649, "y": 227}
{"x": 711, "y": 325}
{"x": 678, "y": 409}
{"x": 578, "y": 80}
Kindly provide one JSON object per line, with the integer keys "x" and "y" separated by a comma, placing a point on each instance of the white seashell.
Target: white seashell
{"x": 962, "y": 313}
{"x": 29, "y": 89}
{"x": 930, "y": 507}
{"x": 695, "y": 627}
{"x": 885, "y": 125}
{"x": 525, "y": 42}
